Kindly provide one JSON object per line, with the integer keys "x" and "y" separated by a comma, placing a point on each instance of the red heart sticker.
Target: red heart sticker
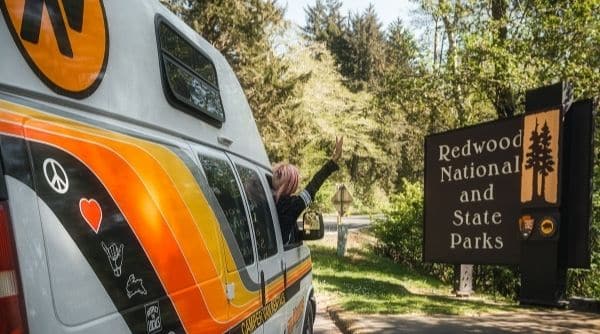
{"x": 91, "y": 212}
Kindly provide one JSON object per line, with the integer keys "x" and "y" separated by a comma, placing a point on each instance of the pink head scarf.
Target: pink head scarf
{"x": 287, "y": 175}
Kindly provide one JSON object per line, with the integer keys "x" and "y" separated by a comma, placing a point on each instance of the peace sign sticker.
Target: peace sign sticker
{"x": 56, "y": 176}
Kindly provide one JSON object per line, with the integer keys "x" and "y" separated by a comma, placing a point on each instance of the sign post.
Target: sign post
{"x": 341, "y": 200}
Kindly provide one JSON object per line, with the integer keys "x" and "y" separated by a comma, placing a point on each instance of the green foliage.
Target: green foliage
{"x": 357, "y": 42}
{"x": 331, "y": 109}
{"x": 324, "y": 21}
{"x": 401, "y": 229}
{"x": 400, "y": 232}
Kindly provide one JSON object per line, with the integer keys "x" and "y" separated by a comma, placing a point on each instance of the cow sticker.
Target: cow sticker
{"x": 65, "y": 42}
{"x": 135, "y": 286}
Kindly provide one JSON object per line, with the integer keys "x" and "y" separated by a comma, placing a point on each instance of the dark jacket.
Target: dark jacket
{"x": 290, "y": 207}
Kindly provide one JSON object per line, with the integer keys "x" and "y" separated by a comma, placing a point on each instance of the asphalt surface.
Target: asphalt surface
{"x": 353, "y": 222}
{"x": 524, "y": 321}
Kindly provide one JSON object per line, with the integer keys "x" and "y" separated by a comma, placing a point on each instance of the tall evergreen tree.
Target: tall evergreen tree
{"x": 365, "y": 58}
{"x": 401, "y": 50}
{"x": 324, "y": 21}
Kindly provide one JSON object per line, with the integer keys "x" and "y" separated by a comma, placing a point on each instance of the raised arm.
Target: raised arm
{"x": 306, "y": 196}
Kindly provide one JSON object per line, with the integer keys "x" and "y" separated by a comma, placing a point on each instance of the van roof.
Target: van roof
{"x": 131, "y": 89}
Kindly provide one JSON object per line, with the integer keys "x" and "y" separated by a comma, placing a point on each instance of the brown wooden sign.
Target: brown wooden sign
{"x": 473, "y": 193}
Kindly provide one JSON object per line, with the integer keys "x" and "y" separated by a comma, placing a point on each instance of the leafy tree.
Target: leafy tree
{"x": 334, "y": 109}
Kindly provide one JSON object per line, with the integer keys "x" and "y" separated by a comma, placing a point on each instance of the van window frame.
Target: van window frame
{"x": 166, "y": 86}
{"x": 223, "y": 157}
{"x": 273, "y": 223}
{"x": 268, "y": 177}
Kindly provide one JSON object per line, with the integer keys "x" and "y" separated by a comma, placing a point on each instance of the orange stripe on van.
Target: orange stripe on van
{"x": 203, "y": 216}
{"x": 144, "y": 211}
{"x": 143, "y": 216}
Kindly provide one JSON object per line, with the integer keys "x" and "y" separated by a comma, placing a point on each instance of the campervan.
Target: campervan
{"x": 134, "y": 195}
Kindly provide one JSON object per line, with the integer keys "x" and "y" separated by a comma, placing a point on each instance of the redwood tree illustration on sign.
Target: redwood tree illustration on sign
{"x": 539, "y": 158}
{"x": 546, "y": 162}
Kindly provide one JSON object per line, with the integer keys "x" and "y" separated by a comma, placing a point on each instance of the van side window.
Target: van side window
{"x": 188, "y": 75}
{"x": 260, "y": 212}
{"x": 223, "y": 184}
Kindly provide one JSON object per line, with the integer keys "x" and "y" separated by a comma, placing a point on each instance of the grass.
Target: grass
{"x": 363, "y": 282}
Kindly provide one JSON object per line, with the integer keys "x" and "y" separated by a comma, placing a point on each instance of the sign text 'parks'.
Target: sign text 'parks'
{"x": 472, "y": 194}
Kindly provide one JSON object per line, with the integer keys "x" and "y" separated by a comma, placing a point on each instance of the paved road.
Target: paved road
{"x": 353, "y": 222}
{"x": 324, "y": 324}
{"x": 524, "y": 321}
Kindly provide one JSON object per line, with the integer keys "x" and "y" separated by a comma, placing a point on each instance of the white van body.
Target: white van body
{"x": 132, "y": 206}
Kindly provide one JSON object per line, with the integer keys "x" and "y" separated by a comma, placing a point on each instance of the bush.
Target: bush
{"x": 400, "y": 232}
{"x": 401, "y": 228}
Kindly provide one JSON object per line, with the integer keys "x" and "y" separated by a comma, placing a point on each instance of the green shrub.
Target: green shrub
{"x": 401, "y": 228}
{"x": 400, "y": 232}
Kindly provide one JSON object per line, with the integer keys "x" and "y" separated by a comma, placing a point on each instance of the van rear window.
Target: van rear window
{"x": 225, "y": 188}
{"x": 260, "y": 212}
{"x": 190, "y": 78}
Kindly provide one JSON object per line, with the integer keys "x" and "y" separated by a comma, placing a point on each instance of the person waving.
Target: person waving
{"x": 284, "y": 184}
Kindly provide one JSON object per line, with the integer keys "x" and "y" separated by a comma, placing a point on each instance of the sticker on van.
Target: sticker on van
{"x": 64, "y": 42}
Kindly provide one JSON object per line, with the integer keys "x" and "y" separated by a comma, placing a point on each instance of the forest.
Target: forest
{"x": 385, "y": 88}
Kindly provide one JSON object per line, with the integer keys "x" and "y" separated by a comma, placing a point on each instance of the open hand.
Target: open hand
{"x": 337, "y": 150}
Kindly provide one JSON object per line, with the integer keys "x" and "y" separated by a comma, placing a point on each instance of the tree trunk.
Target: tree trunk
{"x": 354, "y": 168}
{"x": 435, "y": 42}
{"x": 535, "y": 194}
{"x": 503, "y": 98}
{"x": 543, "y": 192}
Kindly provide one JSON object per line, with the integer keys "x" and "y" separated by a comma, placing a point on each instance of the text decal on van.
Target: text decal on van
{"x": 64, "y": 42}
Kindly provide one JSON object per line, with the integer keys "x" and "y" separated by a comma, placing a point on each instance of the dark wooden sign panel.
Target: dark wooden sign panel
{"x": 473, "y": 194}
{"x": 579, "y": 163}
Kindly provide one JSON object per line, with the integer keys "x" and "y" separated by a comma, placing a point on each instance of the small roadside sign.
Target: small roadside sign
{"x": 342, "y": 199}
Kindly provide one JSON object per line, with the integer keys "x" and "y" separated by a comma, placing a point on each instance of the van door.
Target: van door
{"x": 298, "y": 277}
{"x": 268, "y": 244}
{"x": 242, "y": 277}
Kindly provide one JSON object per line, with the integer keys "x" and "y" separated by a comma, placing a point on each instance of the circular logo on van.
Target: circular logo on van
{"x": 65, "y": 42}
